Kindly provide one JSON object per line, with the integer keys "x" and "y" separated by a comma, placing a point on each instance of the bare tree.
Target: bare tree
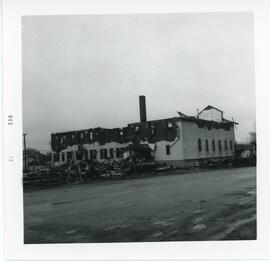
{"x": 252, "y": 136}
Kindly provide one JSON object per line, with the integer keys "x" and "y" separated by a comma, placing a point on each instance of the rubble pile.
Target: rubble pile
{"x": 88, "y": 170}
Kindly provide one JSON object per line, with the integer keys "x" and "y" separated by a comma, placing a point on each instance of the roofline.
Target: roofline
{"x": 183, "y": 118}
{"x": 212, "y": 107}
{"x": 156, "y": 120}
{"x": 194, "y": 119}
{"x": 114, "y": 128}
{"x": 230, "y": 121}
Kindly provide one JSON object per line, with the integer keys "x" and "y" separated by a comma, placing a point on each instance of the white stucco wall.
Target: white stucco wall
{"x": 176, "y": 147}
{"x": 184, "y": 147}
{"x": 211, "y": 115}
{"x": 191, "y": 134}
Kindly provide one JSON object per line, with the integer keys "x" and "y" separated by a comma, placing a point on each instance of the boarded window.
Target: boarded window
{"x": 219, "y": 145}
{"x": 69, "y": 155}
{"x": 79, "y": 155}
{"x": 213, "y": 145}
{"x": 206, "y": 145}
{"x": 122, "y": 150}
{"x": 86, "y": 155}
{"x": 105, "y": 153}
{"x": 111, "y": 152}
{"x": 168, "y": 150}
{"x": 63, "y": 157}
{"x": 101, "y": 152}
{"x": 200, "y": 145}
{"x": 117, "y": 152}
{"x": 93, "y": 154}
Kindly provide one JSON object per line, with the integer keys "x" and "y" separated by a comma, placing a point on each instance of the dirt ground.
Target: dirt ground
{"x": 209, "y": 205}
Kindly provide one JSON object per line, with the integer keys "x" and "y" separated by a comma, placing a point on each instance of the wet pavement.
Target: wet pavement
{"x": 209, "y": 205}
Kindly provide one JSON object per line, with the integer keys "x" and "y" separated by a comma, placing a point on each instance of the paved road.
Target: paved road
{"x": 209, "y": 205}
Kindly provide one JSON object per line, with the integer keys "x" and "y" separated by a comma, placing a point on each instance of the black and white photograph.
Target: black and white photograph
{"x": 138, "y": 128}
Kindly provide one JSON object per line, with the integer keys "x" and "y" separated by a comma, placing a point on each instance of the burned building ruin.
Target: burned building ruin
{"x": 180, "y": 141}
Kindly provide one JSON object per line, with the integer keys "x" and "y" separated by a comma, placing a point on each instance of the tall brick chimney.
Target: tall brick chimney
{"x": 142, "y": 109}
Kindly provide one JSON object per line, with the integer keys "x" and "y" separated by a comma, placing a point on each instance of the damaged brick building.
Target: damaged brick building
{"x": 180, "y": 141}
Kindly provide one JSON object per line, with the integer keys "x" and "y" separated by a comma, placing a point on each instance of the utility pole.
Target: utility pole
{"x": 24, "y": 150}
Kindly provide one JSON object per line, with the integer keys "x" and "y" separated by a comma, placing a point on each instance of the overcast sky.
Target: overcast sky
{"x": 88, "y": 71}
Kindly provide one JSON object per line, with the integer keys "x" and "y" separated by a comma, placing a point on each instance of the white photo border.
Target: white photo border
{"x": 13, "y": 10}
